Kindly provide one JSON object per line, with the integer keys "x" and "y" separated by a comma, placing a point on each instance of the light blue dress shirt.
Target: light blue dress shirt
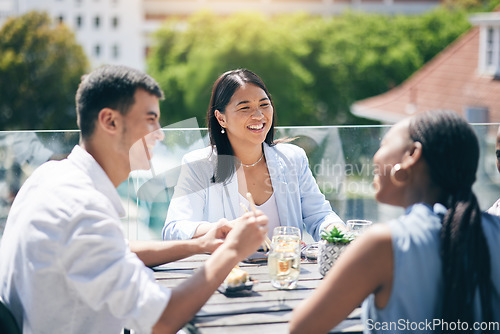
{"x": 198, "y": 200}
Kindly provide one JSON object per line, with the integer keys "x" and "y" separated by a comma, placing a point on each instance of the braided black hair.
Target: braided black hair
{"x": 451, "y": 149}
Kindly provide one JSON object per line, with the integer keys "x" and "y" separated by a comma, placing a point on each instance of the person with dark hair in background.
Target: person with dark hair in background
{"x": 243, "y": 157}
{"x": 495, "y": 208}
{"x": 65, "y": 264}
{"x": 435, "y": 263}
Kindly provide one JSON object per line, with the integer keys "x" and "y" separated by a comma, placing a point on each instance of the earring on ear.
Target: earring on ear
{"x": 398, "y": 170}
{"x": 222, "y": 130}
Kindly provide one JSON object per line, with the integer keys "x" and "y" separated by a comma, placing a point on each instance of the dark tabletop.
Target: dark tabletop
{"x": 264, "y": 310}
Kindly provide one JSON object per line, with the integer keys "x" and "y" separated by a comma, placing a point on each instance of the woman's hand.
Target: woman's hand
{"x": 216, "y": 235}
{"x": 248, "y": 233}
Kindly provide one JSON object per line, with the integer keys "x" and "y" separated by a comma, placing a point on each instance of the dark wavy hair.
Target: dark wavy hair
{"x": 223, "y": 89}
{"x": 451, "y": 149}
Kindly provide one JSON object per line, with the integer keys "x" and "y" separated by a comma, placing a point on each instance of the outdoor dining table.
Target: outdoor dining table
{"x": 264, "y": 310}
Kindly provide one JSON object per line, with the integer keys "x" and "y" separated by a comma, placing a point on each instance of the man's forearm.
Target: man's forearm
{"x": 154, "y": 253}
{"x": 188, "y": 297}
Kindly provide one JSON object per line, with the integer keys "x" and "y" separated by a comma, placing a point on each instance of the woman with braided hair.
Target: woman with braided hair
{"x": 434, "y": 268}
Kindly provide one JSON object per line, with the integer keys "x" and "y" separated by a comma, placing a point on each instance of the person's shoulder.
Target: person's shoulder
{"x": 491, "y": 229}
{"x": 72, "y": 179}
{"x": 419, "y": 225}
{"x": 200, "y": 154}
{"x": 200, "y": 162}
{"x": 377, "y": 234}
{"x": 290, "y": 150}
{"x": 491, "y": 219}
{"x": 59, "y": 187}
{"x": 56, "y": 173}
{"x": 424, "y": 212}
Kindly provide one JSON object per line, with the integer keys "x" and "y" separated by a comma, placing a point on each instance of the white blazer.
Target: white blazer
{"x": 198, "y": 200}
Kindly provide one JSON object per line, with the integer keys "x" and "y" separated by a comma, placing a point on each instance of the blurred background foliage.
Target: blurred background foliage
{"x": 40, "y": 68}
{"x": 314, "y": 67}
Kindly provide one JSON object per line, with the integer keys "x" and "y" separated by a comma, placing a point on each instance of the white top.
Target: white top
{"x": 269, "y": 208}
{"x": 198, "y": 200}
{"x": 66, "y": 266}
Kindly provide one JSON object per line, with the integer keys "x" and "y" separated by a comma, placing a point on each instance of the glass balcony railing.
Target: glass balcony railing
{"x": 340, "y": 158}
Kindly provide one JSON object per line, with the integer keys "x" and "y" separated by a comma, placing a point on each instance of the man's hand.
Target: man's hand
{"x": 248, "y": 233}
{"x": 187, "y": 298}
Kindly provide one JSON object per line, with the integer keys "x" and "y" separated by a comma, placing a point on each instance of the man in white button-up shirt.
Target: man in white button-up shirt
{"x": 65, "y": 266}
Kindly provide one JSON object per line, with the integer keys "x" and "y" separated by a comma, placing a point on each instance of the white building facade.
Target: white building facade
{"x": 7, "y": 9}
{"x": 110, "y": 31}
{"x": 274, "y": 7}
{"x": 118, "y": 31}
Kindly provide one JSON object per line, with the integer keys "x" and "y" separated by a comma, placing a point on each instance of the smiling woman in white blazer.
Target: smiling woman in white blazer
{"x": 244, "y": 157}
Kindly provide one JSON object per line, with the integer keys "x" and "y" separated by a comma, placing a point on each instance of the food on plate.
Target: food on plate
{"x": 236, "y": 277}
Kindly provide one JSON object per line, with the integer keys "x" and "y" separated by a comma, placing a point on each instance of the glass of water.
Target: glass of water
{"x": 283, "y": 259}
{"x": 358, "y": 226}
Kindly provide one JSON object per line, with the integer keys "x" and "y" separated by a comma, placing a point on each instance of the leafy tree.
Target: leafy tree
{"x": 187, "y": 62}
{"x": 314, "y": 67}
{"x": 358, "y": 55}
{"x": 40, "y": 68}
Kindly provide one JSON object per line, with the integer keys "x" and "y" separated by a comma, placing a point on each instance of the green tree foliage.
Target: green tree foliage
{"x": 473, "y": 5}
{"x": 186, "y": 63}
{"x": 314, "y": 67}
{"x": 40, "y": 68}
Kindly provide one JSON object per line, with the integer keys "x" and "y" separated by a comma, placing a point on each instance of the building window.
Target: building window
{"x": 79, "y": 21}
{"x": 97, "y": 50}
{"x": 489, "y": 62}
{"x": 115, "y": 22}
{"x": 60, "y": 19}
{"x": 97, "y": 22}
{"x": 489, "y": 47}
{"x": 498, "y": 49}
{"x": 489, "y": 43}
{"x": 115, "y": 51}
